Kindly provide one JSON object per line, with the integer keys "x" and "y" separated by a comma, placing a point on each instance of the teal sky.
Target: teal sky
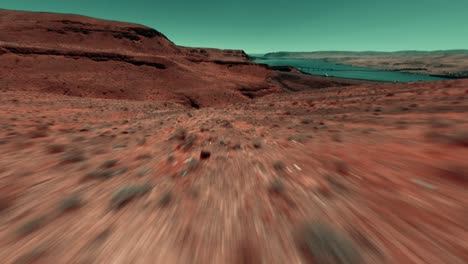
{"x": 285, "y": 25}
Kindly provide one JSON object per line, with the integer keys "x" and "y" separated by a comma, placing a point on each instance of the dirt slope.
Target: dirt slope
{"x": 87, "y": 57}
{"x": 382, "y": 167}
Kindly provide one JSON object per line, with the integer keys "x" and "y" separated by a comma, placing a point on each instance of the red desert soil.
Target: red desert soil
{"x": 108, "y": 157}
{"x": 87, "y": 57}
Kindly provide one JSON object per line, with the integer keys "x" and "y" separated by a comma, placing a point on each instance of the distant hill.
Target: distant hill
{"x": 450, "y": 63}
{"x": 82, "y": 56}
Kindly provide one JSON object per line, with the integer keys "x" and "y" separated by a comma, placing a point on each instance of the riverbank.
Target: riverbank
{"x": 451, "y": 64}
{"x": 339, "y": 70}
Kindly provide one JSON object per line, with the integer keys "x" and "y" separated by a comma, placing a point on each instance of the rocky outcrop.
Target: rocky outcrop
{"x": 87, "y": 57}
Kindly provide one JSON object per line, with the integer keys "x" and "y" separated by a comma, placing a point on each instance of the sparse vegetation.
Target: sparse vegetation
{"x": 55, "y": 148}
{"x": 144, "y": 156}
{"x": 31, "y": 226}
{"x": 143, "y": 171}
{"x": 86, "y": 129}
{"x": 306, "y": 121}
{"x": 434, "y": 136}
{"x": 192, "y": 165}
{"x": 257, "y": 144}
{"x": 109, "y": 164}
{"x": 106, "y": 173}
{"x": 32, "y": 256}
{"x": 189, "y": 141}
{"x": 276, "y": 187}
{"x": 438, "y": 123}
{"x": 321, "y": 244}
{"x": 141, "y": 141}
{"x": 337, "y": 182}
{"x": 170, "y": 158}
{"x": 73, "y": 157}
{"x": 125, "y": 194}
{"x": 341, "y": 167}
{"x": 71, "y": 202}
{"x": 337, "y": 137}
{"x": 279, "y": 166}
{"x": 460, "y": 138}
{"x": 166, "y": 199}
{"x": 299, "y": 138}
{"x": 455, "y": 172}
{"x": 38, "y": 134}
{"x": 119, "y": 145}
{"x": 77, "y": 138}
{"x": 179, "y": 134}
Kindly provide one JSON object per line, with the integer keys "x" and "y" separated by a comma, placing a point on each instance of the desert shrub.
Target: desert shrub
{"x": 143, "y": 171}
{"x": 299, "y": 138}
{"x": 166, "y": 199}
{"x": 192, "y": 165}
{"x": 460, "y": 138}
{"x": 455, "y": 172}
{"x": 144, "y": 156}
{"x": 109, "y": 164}
{"x": 276, "y": 187}
{"x": 73, "y": 157}
{"x": 32, "y": 256}
{"x": 189, "y": 141}
{"x": 257, "y": 144}
{"x": 323, "y": 245}
{"x": 279, "y": 166}
{"x": 106, "y": 173}
{"x": 125, "y": 194}
{"x": 70, "y": 202}
{"x": 55, "y": 148}
{"x": 306, "y": 121}
{"x": 341, "y": 167}
{"x": 179, "y": 134}
{"x": 31, "y": 226}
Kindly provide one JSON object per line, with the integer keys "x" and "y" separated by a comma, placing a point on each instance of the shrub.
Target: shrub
{"x": 71, "y": 202}
{"x": 455, "y": 172}
{"x": 109, "y": 164}
{"x": 257, "y": 144}
{"x": 460, "y": 138}
{"x": 166, "y": 199}
{"x": 279, "y": 166}
{"x": 55, "y": 148}
{"x": 73, "y": 157}
{"x": 326, "y": 246}
{"x": 106, "y": 173}
{"x": 179, "y": 134}
{"x": 32, "y": 256}
{"x": 31, "y": 226}
{"x": 276, "y": 187}
{"x": 125, "y": 194}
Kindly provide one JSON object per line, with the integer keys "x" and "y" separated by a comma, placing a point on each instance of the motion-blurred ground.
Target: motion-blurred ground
{"x": 309, "y": 170}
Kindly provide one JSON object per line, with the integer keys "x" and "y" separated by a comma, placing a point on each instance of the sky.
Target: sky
{"x": 259, "y": 26}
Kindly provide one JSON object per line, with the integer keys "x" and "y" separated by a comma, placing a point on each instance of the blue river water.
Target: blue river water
{"x": 324, "y": 68}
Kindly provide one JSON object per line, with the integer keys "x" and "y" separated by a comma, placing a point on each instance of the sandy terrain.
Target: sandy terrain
{"x": 203, "y": 166}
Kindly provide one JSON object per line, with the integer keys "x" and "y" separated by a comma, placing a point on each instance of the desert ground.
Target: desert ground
{"x": 126, "y": 150}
